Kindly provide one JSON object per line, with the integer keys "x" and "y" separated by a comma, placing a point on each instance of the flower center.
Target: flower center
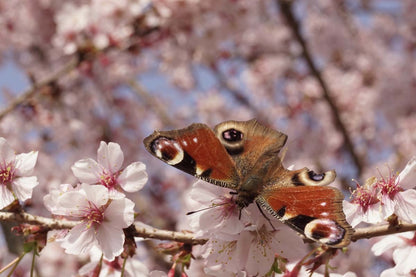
{"x": 94, "y": 215}
{"x": 389, "y": 186}
{"x": 6, "y": 174}
{"x": 108, "y": 180}
{"x": 365, "y": 197}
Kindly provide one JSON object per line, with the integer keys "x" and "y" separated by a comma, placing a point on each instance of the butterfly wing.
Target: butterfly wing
{"x": 196, "y": 151}
{"x": 251, "y": 145}
{"x": 308, "y": 207}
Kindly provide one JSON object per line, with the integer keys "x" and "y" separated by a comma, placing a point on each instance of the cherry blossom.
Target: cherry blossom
{"x": 404, "y": 251}
{"x": 102, "y": 220}
{"x": 238, "y": 244}
{"x": 382, "y": 197}
{"x": 107, "y": 171}
{"x": 15, "y": 171}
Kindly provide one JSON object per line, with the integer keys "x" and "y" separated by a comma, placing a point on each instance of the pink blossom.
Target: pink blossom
{"x": 108, "y": 172}
{"x": 365, "y": 205}
{"x": 102, "y": 220}
{"x": 15, "y": 171}
{"x": 238, "y": 244}
{"x": 404, "y": 252}
{"x": 381, "y": 197}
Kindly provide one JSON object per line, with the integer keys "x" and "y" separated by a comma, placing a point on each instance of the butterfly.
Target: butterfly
{"x": 243, "y": 156}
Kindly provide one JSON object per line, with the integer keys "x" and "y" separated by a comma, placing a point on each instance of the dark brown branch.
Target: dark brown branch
{"x": 287, "y": 12}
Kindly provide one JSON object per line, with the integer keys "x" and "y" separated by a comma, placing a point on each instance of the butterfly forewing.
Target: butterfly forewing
{"x": 196, "y": 151}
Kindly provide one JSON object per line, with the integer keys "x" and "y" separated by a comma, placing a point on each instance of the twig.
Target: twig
{"x": 287, "y": 12}
{"x": 72, "y": 64}
{"x": 154, "y": 233}
{"x": 49, "y": 223}
{"x": 187, "y": 237}
{"x": 381, "y": 230}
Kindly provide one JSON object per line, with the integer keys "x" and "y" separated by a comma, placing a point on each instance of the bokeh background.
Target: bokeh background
{"x": 339, "y": 77}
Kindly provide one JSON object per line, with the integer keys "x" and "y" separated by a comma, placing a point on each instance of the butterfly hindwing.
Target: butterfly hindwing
{"x": 312, "y": 210}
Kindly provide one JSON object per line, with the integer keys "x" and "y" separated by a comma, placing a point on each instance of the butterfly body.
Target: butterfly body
{"x": 243, "y": 156}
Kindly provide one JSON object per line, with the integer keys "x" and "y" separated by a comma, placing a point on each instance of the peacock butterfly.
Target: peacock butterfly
{"x": 243, "y": 156}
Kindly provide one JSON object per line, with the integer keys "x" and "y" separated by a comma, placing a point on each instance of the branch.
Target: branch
{"x": 287, "y": 12}
{"x": 72, "y": 64}
{"x": 186, "y": 237}
{"x": 381, "y": 230}
{"x": 49, "y": 223}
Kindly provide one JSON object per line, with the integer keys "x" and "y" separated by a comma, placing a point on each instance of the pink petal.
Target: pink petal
{"x": 404, "y": 259}
{"x": 79, "y": 240}
{"x": 23, "y": 187}
{"x": 6, "y": 152}
{"x": 25, "y": 163}
{"x": 110, "y": 156}
{"x": 6, "y": 196}
{"x": 96, "y": 194}
{"x": 133, "y": 177}
{"x": 110, "y": 240}
{"x": 406, "y": 205}
{"x": 87, "y": 171}
{"x": 120, "y": 212}
{"x": 409, "y": 170}
{"x": 72, "y": 203}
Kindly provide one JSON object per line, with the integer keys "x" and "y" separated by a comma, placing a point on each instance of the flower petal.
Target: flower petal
{"x": 96, "y": 194}
{"x": 409, "y": 170}
{"x": 79, "y": 240}
{"x": 406, "y": 205}
{"x": 25, "y": 163}
{"x": 87, "y": 171}
{"x": 110, "y": 156}
{"x": 23, "y": 187}
{"x": 110, "y": 240}
{"x": 120, "y": 212}
{"x": 7, "y": 154}
{"x": 133, "y": 177}
{"x": 6, "y": 197}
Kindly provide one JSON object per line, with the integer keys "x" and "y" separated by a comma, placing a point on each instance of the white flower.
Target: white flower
{"x": 14, "y": 174}
{"x": 239, "y": 244}
{"x": 102, "y": 220}
{"x": 404, "y": 251}
{"x": 381, "y": 197}
{"x": 365, "y": 206}
{"x": 107, "y": 171}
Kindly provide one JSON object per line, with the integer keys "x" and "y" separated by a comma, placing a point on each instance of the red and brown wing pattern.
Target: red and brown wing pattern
{"x": 196, "y": 151}
{"x": 314, "y": 211}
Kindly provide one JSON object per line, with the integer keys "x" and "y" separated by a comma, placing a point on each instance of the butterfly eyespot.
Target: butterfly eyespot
{"x": 167, "y": 150}
{"x": 232, "y": 135}
{"x": 315, "y": 176}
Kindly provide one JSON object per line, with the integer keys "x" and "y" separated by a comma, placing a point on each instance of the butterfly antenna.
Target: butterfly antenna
{"x": 206, "y": 208}
{"x": 265, "y": 216}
